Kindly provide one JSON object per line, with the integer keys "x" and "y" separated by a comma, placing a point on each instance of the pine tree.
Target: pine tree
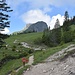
{"x": 4, "y": 18}
{"x": 57, "y": 24}
{"x": 66, "y": 15}
{"x": 57, "y": 32}
{"x": 66, "y": 22}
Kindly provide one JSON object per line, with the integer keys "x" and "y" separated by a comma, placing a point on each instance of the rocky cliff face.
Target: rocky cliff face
{"x": 36, "y": 27}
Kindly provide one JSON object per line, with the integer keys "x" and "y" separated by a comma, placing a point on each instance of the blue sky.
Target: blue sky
{"x": 31, "y": 11}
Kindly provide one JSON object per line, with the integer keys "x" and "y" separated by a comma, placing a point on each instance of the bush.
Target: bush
{"x": 14, "y": 48}
{"x": 68, "y": 37}
{"x": 30, "y": 51}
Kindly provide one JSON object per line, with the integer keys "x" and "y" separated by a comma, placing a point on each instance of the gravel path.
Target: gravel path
{"x": 50, "y": 67}
{"x": 31, "y": 60}
{"x": 54, "y": 68}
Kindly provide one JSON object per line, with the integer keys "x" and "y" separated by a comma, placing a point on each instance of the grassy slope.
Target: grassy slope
{"x": 29, "y": 38}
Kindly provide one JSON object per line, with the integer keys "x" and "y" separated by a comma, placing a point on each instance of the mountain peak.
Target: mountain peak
{"x": 39, "y": 26}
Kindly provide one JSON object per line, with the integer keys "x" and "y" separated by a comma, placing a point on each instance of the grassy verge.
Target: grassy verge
{"x": 39, "y": 56}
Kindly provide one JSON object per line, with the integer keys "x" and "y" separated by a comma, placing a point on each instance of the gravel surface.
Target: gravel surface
{"x": 50, "y": 67}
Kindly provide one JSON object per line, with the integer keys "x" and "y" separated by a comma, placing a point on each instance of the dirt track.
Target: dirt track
{"x": 65, "y": 67}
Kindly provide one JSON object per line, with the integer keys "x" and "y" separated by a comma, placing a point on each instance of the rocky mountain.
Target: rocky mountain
{"x": 36, "y": 27}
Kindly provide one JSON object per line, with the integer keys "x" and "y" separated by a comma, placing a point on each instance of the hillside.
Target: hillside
{"x": 15, "y": 50}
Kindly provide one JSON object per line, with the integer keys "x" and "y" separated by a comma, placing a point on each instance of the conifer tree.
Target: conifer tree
{"x": 57, "y": 24}
{"x": 4, "y": 18}
{"x": 66, "y": 21}
{"x": 57, "y": 32}
{"x": 66, "y": 15}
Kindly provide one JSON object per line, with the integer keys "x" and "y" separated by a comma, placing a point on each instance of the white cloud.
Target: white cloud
{"x": 6, "y": 31}
{"x": 34, "y": 16}
{"x": 53, "y": 20}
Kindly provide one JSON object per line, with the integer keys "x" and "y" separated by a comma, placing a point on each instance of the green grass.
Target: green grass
{"x": 29, "y": 38}
{"x": 9, "y": 52}
{"x": 10, "y": 66}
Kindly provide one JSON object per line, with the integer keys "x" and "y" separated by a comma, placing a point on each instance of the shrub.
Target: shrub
{"x": 30, "y": 51}
{"x": 68, "y": 36}
{"x": 14, "y": 48}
